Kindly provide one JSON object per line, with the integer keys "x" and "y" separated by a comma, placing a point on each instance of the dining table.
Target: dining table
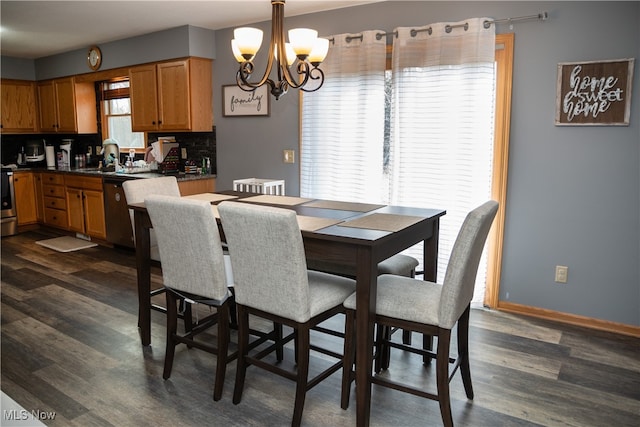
{"x": 354, "y": 235}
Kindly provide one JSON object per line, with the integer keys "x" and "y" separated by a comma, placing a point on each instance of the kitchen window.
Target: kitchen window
{"x": 116, "y": 115}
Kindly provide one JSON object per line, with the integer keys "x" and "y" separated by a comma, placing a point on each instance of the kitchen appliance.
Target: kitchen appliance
{"x": 65, "y": 148}
{"x": 34, "y": 151}
{"x": 110, "y": 152}
{"x": 118, "y": 222}
{"x": 9, "y": 216}
{"x": 50, "y": 154}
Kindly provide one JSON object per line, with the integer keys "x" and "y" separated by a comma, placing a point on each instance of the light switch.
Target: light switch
{"x": 289, "y": 156}
{"x": 184, "y": 153}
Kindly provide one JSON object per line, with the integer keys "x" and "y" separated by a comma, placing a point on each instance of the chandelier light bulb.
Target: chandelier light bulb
{"x": 319, "y": 51}
{"x": 236, "y": 51}
{"x": 248, "y": 40}
{"x": 302, "y": 40}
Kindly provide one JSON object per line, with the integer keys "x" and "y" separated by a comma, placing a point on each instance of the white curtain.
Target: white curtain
{"x": 343, "y": 122}
{"x": 442, "y": 125}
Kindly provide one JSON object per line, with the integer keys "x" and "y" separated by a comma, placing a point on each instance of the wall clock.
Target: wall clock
{"x": 94, "y": 57}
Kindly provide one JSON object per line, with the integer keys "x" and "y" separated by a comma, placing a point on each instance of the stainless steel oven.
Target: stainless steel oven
{"x": 9, "y": 220}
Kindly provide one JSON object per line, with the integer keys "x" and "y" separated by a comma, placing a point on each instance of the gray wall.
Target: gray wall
{"x": 167, "y": 44}
{"x": 573, "y": 192}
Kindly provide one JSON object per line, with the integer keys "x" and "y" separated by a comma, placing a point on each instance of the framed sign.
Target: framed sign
{"x": 237, "y": 102}
{"x": 594, "y": 93}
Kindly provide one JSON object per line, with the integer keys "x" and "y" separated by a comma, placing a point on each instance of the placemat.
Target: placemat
{"x": 210, "y": 197}
{"x": 343, "y": 206}
{"x": 313, "y": 223}
{"x": 276, "y": 200}
{"x": 384, "y": 222}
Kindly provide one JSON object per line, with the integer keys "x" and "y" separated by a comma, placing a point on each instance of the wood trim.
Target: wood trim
{"x": 571, "y": 319}
{"x": 504, "y": 80}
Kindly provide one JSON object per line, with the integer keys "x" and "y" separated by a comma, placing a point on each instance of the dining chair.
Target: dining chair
{"x": 272, "y": 282}
{"x": 194, "y": 271}
{"x": 431, "y": 309}
{"x": 399, "y": 265}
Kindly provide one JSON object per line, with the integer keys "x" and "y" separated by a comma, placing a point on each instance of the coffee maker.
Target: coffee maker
{"x": 34, "y": 152}
{"x": 65, "y": 148}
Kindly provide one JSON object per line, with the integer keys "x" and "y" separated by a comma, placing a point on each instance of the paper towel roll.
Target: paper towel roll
{"x": 50, "y": 154}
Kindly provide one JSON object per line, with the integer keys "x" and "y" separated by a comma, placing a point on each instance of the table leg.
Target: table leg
{"x": 366, "y": 292}
{"x": 143, "y": 267}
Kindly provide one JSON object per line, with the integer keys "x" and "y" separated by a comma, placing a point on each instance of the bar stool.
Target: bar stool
{"x": 260, "y": 186}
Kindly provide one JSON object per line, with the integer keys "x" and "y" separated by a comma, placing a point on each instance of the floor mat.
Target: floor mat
{"x": 66, "y": 244}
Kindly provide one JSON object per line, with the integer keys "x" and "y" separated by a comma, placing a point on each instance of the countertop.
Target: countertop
{"x": 111, "y": 175}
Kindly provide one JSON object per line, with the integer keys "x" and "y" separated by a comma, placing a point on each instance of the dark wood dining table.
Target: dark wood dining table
{"x": 342, "y": 239}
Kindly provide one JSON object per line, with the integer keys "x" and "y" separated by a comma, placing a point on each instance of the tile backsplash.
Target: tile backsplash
{"x": 197, "y": 144}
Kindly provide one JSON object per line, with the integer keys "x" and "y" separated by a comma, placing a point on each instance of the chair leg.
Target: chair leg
{"x": 223, "y": 344}
{"x": 349, "y": 357}
{"x": 427, "y": 344}
{"x": 187, "y": 316}
{"x": 172, "y": 327}
{"x": 302, "y": 373}
{"x": 442, "y": 377}
{"x": 406, "y": 337}
{"x": 463, "y": 352}
{"x": 277, "y": 329}
{"x": 243, "y": 348}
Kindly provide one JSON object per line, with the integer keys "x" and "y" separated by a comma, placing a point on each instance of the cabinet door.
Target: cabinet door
{"x": 144, "y": 98}
{"x": 47, "y": 105}
{"x": 173, "y": 96}
{"x": 75, "y": 210}
{"x": 39, "y": 196}
{"x": 66, "y": 105}
{"x": 94, "y": 214}
{"x": 18, "y": 106}
{"x": 25, "y": 198}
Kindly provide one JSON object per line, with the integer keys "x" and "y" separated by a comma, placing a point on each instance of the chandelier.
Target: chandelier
{"x": 305, "y": 49}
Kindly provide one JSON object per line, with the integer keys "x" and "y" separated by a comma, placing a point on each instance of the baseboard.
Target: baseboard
{"x": 572, "y": 319}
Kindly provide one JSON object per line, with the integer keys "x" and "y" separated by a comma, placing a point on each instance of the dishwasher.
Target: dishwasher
{"x": 118, "y": 221}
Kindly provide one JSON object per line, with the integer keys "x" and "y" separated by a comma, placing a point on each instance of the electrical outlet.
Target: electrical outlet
{"x": 289, "y": 156}
{"x": 98, "y": 149}
{"x": 561, "y": 273}
{"x": 184, "y": 153}
{"x": 89, "y": 150}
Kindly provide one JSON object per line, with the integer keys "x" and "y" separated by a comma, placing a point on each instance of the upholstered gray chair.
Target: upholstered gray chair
{"x": 272, "y": 282}
{"x": 399, "y": 265}
{"x": 194, "y": 270}
{"x": 135, "y": 191}
{"x": 431, "y": 309}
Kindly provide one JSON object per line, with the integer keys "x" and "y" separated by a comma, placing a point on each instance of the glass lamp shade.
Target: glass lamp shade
{"x": 302, "y": 40}
{"x": 319, "y": 51}
{"x": 291, "y": 55}
{"x": 248, "y": 41}
{"x": 236, "y": 51}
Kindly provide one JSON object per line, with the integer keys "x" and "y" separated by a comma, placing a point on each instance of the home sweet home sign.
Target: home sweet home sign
{"x": 594, "y": 93}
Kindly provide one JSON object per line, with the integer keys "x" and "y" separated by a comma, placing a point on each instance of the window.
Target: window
{"x": 116, "y": 116}
{"x": 316, "y": 127}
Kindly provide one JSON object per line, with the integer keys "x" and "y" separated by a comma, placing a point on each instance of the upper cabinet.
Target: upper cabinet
{"x": 19, "y": 107}
{"x": 172, "y": 96}
{"x": 67, "y": 106}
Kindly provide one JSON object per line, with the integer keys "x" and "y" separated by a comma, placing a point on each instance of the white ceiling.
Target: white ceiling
{"x": 34, "y": 29}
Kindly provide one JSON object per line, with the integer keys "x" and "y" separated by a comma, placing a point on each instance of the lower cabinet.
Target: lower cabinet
{"x": 54, "y": 200}
{"x": 85, "y": 206}
{"x": 197, "y": 186}
{"x": 26, "y": 203}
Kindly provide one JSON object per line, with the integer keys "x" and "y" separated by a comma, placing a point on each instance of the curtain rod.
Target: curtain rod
{"x": 542, "y": 16}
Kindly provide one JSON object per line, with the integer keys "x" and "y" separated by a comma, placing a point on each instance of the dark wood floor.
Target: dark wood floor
{"x": 70, "y": 345}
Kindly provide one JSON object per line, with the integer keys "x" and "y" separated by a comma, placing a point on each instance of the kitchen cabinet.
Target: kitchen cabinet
{"x": 54, "y": 200}
{"x": 85, "y": 205}
{"x": 37, "y": 177}
{"x": 19, "y": 113}
{"x": 66, "y": 106}
{"x": 26, "y": 205}
{"x": 172, "y": 96}
{"x": 197, "y": 186}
